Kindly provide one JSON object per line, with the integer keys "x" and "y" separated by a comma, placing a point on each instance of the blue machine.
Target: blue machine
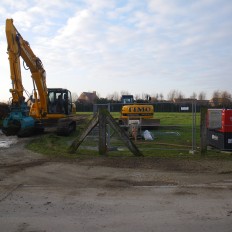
{"x": 19, "y": 122}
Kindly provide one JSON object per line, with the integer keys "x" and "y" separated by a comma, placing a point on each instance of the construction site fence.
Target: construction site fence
{"x": 177, "y": 135}
{"x": 158, "y": 107}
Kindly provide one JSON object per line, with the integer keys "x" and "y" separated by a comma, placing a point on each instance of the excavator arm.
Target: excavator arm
{"x": 15, "y": 68}
{"x": 18, "y": 47}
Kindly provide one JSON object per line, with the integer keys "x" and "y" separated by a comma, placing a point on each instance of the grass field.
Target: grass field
{"x": 168, "y": 142}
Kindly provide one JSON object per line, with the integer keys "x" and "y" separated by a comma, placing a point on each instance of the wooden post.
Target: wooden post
{"x": 102, "y": 132}
{"x": 203, "y": 131}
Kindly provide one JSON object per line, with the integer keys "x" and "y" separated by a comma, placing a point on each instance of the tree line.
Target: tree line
{"x": 173, "y": 103}
{"x": 115, "y": 97}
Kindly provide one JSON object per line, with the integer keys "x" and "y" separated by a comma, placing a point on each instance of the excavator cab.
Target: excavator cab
{"x": 127, "y": 99}
{"x": 59, "y": 101}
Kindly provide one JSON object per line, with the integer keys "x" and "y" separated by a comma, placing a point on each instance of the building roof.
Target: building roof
{"x": 88, "y": 97}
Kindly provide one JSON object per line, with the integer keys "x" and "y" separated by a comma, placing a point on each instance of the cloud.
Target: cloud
{"x": 152, "y": 45}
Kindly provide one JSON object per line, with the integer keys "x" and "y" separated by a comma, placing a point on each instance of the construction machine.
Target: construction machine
{"x": 48, "y": 106}
{"x": 137, "y": 115}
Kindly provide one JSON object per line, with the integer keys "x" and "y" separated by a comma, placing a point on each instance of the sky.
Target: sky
{"x": 107, "y": 46}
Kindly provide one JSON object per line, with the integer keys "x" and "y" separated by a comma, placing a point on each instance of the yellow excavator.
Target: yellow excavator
{"x": 49, "y": 106}
{"x": 139, "y": 114}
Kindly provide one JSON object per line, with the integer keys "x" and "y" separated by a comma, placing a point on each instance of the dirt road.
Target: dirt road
{"x": 112, "y": 194}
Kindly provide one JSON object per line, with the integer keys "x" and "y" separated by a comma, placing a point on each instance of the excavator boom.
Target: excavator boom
{"x": 18, "y": 47}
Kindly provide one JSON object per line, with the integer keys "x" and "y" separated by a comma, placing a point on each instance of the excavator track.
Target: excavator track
{"x": 66, "y": 126}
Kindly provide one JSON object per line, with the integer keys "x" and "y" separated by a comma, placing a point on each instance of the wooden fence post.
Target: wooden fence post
{"x": 102, "y": 132}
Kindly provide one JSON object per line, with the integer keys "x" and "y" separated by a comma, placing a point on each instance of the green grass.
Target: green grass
{"x": 177, "y": 118}
{"x": 174, "y": 142}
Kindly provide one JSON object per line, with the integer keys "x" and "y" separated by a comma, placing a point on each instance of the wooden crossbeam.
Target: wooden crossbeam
{"x": 102, "y": 118}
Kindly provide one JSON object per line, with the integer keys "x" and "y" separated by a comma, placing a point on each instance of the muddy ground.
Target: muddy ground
{"x": 111, "y": 194}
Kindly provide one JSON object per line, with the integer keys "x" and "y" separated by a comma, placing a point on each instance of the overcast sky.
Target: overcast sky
{"x": 148, "y": 46}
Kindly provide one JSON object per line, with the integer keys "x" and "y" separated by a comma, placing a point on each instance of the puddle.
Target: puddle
{"x": 6, "y": 142}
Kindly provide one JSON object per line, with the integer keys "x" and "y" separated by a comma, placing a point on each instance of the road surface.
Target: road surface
{"x": 111, "y": 194}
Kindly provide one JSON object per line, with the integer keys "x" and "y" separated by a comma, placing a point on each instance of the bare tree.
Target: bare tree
{"x": 193, "y": 96}
{"x": 216, "y": 97}
{"x": 125, "y": 92}
{"x": 145, "y": 96}
{"x": 114, "y": 96}
{"x": 202, "y": 96}
{"x": 175, "y": 94}
{"x": 216, "y": 94}
{"x": 154, "y": 98}
{"x": 136, "y": 97}
{"x": 221, "y": 98}
{"x": 226, "y": 95}
{"x": 157, "y": 96}
{"x": 180, "y": 95}
{"x": 161, "y": 96}
{"x": 226, "y": 98}
{"x": 172, "y": 94}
